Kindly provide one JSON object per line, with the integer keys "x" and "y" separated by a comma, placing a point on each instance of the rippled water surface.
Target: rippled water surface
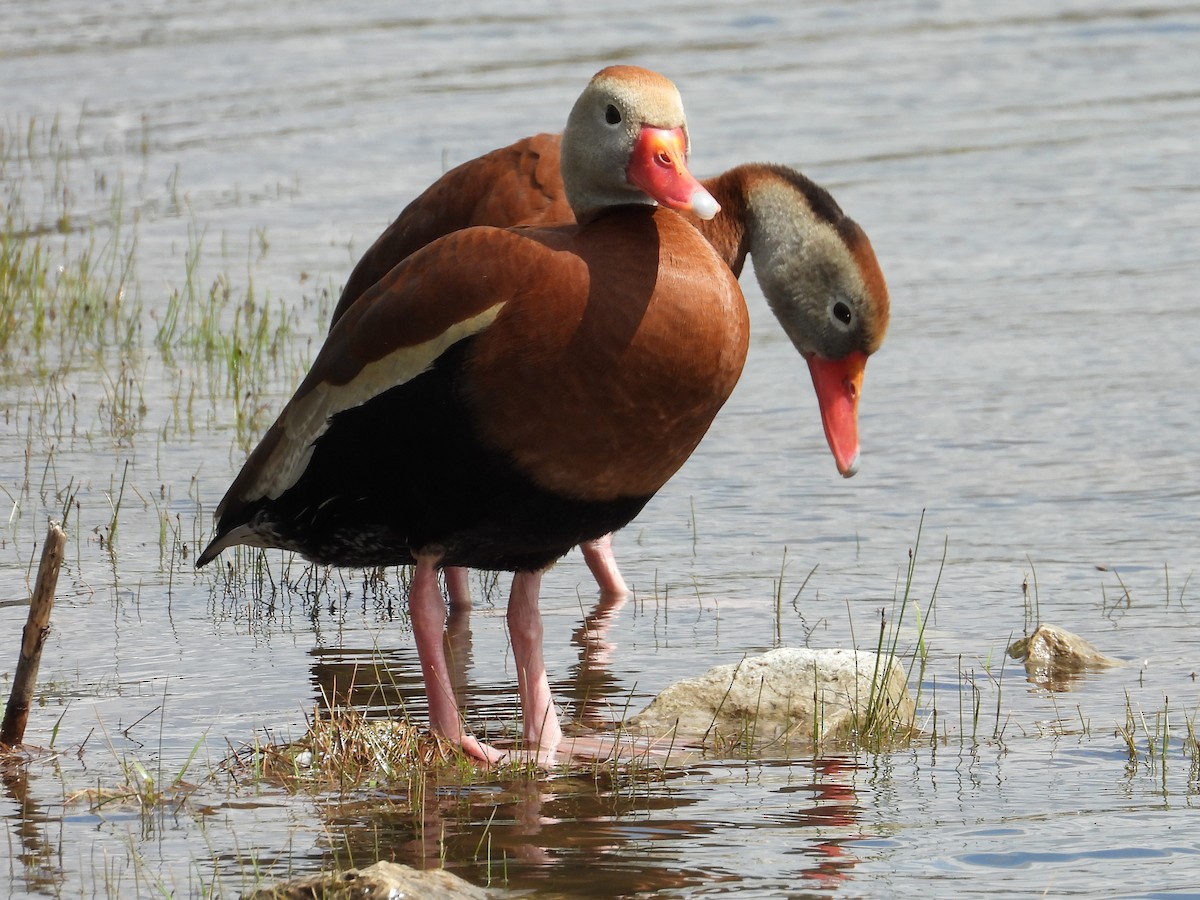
{"x": 1028, "y": 175}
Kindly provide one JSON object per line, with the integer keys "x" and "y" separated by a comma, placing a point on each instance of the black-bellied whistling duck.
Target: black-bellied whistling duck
{"x": 815, "y": 265}
{"x": 505, "y": 394}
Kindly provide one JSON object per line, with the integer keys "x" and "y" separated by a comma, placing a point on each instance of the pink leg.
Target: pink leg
{"x": 428, "y": 613}
{"x": 599, "y": 557}
{"x": 541, "y": 727}
{"x": 458, "y": 587}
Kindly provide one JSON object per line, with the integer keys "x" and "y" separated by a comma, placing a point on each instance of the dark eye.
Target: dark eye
{"x": 842, "y": 313}
{"x": 612, "y": 115}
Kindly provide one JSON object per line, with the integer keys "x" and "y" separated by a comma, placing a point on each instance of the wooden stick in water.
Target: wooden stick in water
{"x": 37, "y": 626}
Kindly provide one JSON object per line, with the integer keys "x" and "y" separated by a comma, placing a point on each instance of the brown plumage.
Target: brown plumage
{"x": 516, "y": 185}
{"x": 504, "y": 394}
{"x": 808, "y": 255}
{"x": 593, "y": 382}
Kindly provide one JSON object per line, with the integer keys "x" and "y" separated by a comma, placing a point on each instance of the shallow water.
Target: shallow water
{"x": 1027, "y": 173}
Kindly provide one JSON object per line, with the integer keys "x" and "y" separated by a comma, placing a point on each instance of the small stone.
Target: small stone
{"x": 1051, "y": 654}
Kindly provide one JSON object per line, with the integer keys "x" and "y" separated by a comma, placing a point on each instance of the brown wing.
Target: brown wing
{"x": 515, "y": 185}
{"x": 597, "y": 359}
{"x": 451, "y": 290}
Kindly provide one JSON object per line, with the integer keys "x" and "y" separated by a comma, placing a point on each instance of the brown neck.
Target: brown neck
{"x": 727, "y": 232}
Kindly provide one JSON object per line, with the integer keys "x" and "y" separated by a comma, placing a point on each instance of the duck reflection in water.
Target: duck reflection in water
{"x": 835, "y": 811}
{"x": 609, "y": 837}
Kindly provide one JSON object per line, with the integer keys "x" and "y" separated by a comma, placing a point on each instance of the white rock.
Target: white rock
{"x": 789, "y": 695}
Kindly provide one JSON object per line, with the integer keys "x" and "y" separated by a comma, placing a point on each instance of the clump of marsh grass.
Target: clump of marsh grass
{"x": 124, "y": 405}
{"x": 69, "y": 296}
{"x": 973, "y": 720}
{"x": 877, "y": 726}
{"x": 342, "y": 749}
{"x": 244, "y": 346}
{"x": 1152, "y": 740}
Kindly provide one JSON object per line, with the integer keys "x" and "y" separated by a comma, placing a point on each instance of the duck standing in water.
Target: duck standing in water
{"x": 506, "y": 394}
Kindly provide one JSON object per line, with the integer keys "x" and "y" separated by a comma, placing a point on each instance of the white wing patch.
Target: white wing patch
{"x": 306, "y": 419}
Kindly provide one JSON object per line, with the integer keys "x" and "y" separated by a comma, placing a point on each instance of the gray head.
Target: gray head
{"x": 819, "y": 274}
{"x": 626, "y": 141}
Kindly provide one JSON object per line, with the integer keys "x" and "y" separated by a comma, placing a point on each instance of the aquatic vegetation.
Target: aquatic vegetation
{"x": 67, "y": 281}
{"x": 878, "y": 727}
{"x": 1155, "y": 740}
{"x": 90, "y": 365}
{"x": 343, "y": 750}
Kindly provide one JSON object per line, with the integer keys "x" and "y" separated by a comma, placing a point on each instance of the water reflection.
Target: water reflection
{"x": 575, "y": 834}
{"x": 591, "y": 686}
{"x": 835, "y": 808}
{"x": 527, "y": 833}
{"x": 39, "y": 856}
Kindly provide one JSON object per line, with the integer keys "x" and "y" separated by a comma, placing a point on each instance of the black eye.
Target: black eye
{"x": 612, "y": 115}
{"x": 842, "y": 313}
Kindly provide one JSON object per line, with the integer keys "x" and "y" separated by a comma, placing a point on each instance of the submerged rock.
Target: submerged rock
{"x": 796, "y": 695}
{"x": 1052, "y": 654}
{"x": 382, "y": 881}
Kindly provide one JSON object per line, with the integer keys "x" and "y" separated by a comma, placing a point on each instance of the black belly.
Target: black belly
{"x": 407, "y": 471}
